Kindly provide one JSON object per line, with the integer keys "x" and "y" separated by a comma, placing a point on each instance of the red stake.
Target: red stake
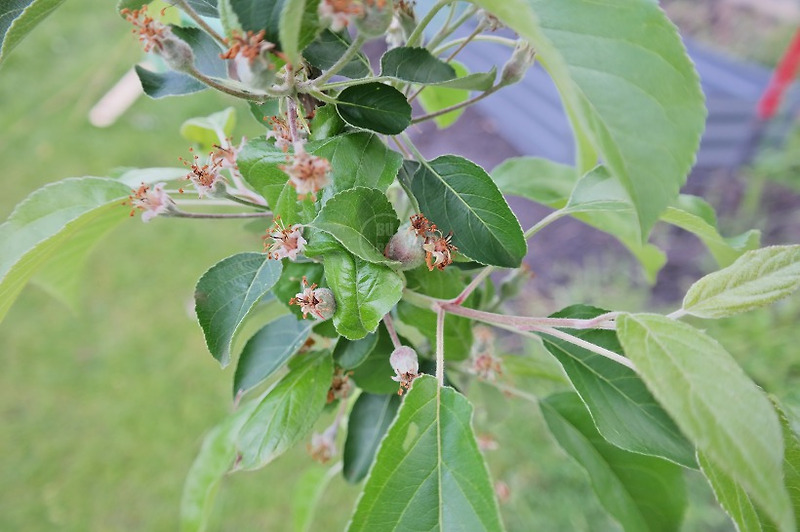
{"x": 781, "y": 79}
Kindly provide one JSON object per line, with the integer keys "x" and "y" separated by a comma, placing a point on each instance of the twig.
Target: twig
{"x": 389, "y": 323}
{"x": 218, "y": 215}
{"x": 351, "y": 52}
{"x": 457, "y": 106}
{"x": 440, "y": 346}
{"x": 194, "y": 15}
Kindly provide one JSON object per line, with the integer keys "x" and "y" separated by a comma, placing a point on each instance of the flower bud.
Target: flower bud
{"x": 375, "y": 17}
{"x": 405, "y": 364}
{"x": 319, "y": 302}
{"x": 176, "y": 53}
{"x": 327, "y": 304}
{"x": 406, "y": 247}
{"x": 521, "y": 60}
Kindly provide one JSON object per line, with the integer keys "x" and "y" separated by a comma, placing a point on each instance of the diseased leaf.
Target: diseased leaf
{"x": 73, "y": 212}
{"x": 287, "y": 412}
{"x": 459, "y": 196}
{"x": 431, "y": 448}
{"x": 642, "y": 112}
{"x": 642, "y": 493}
{"x": 267, "y": 350}
{"x": 362, "y": 220}
{"x": 364, "y": 293}
{"x": 715, "y": 404}
{"x": 756, "y": 279}
{"x": 214, "y": 460}
{"x": 226, "y": 294}
{"x": 622, "y": 408}
{"x": 376, "y": 107}
{"x": 18, "y": 18}
{"x": 369, "y": 419}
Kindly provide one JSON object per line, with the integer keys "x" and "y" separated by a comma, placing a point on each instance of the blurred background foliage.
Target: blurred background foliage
{"x": 104, "y": 407}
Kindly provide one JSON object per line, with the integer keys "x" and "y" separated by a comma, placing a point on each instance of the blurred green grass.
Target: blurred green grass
{"x": 103, "y": 410}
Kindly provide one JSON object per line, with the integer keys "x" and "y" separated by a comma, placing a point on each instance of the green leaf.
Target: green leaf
{"x": 261, "y": 110}
{"x": 70, "y": 212}
{"x": 171, "y": 83}
{"x": 357, "y": 160}
{"x": 308, "y": 493}
{"x": 329, "y": 47}
{"x": 714, "y": 403}
{"x": 226, "y": 294}
{"x": 362, "y": 220}
{"x": 268, "y": 350}
{"x": 376, "y": 107}
{"x": 693, "y": 214}
{"x": 374, "y": 374}
{"x": 214, "y": 460}
{"x": 288, "y": 411}
{"x": 644, "y": 494}
{"x": 625, "y": 412}
{"x": 364, "y": 293}
{"x": 272, "y": 16}
{"x": 435, "y": 98}
{"x": 429, "y": 473}
{"x": 289, "y": 29}
{"x": 555, "y": 184}
{"x": 479, "y": 81}
{"x": 539, "y": 180}
{"x": 259, "y": 162}
{"x": 349, "y": 354}
{"x": 756, "y": 279}
{"x": 257, "y": 15}
{"x": 791, "y": 460}
{"x": 18, "y": 18}
{"x": 326, "y": 123}
{"x": 641, "y": 109}
{"x": 599, "y": 191}
{"x": 416, "y": 65}
{"x": 734, "y": 500}
{"x": 369, "y": 419}
{"x": 458, "y": 195}
{"x": 208, "y": 130}
{"x": 298, "y": 27}
{"x": 445, "y": 284}
{"x": 207, "y": 8}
